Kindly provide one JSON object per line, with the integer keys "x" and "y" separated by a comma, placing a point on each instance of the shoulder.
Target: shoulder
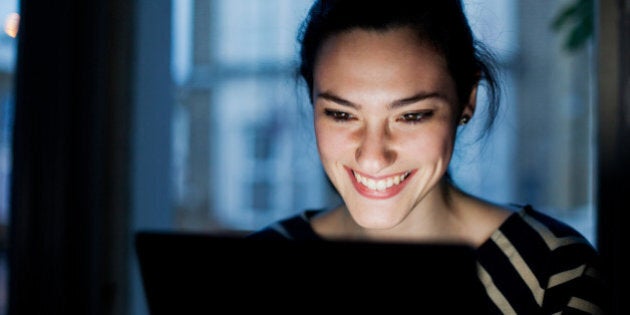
{"x": 555, "y": 233}
{"x": 295, "y": 227}
{"x": 544, "y": 257}
{"x": 537, "y": 236}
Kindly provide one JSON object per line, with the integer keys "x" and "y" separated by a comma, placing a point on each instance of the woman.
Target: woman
{"x": 391, "y": 82}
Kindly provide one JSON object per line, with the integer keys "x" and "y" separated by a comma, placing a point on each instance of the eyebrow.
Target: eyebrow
{"x": 397, "y": 103}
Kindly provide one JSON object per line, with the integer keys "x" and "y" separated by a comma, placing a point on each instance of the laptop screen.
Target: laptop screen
{"x": 194, "y": 273}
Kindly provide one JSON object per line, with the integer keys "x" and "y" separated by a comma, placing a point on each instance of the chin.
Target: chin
{"x": 377, "y": 219}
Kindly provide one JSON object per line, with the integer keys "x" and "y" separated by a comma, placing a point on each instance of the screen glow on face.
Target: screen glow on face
{"x": 384, "y": 120}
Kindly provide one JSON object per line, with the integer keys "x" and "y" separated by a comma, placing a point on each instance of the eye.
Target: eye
{"x": 338, "y": 115}
{"x": 415, "y": 117}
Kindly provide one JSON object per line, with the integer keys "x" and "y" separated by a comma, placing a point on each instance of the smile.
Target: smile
{"x": 380, "y": 184}
{"x": 379, "y": 188}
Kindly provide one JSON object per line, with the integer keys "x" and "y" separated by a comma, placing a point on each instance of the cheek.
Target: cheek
{"x": 331, "y": 142}
{"x": 436, "y": 143}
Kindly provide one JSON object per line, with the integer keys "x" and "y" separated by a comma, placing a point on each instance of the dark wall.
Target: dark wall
{"x": 69, "y": 185}
{"x": 613, "y": 185}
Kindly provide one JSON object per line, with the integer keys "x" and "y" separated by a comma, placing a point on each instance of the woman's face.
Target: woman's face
{"x": 385, "y": 121}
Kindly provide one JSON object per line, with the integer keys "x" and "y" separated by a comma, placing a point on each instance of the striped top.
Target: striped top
{"x": 533, "y": 264}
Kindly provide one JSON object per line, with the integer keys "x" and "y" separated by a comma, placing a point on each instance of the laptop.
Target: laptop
{"x": 199, "y": 273}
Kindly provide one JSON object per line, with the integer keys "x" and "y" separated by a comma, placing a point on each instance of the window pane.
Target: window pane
{"x": 262, "y": 140}
{"x": 251, "y": 32}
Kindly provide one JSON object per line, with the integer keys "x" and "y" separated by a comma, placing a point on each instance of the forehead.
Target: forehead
{"x": 394, "y": 61}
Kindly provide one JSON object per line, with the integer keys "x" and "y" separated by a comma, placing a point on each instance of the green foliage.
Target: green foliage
{"x": 577, "y": 20}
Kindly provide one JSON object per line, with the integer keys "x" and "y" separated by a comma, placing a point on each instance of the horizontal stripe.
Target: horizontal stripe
{"x": 552, "y": 241}
{"x": 566, "y": 276}
{"x": 585, "y": 306}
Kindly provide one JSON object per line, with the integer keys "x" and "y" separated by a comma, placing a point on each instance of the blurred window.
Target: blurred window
{"x": 244, "y": 152}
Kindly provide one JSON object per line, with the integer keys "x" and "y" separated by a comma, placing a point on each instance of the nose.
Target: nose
{"x": 374, "y": 152}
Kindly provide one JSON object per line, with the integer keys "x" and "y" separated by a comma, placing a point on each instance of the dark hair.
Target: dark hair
{"x": 442, "y": 24}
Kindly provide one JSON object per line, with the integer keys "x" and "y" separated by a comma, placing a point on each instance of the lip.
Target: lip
{"x": 376, "y": 194}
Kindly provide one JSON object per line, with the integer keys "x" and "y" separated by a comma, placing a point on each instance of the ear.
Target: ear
{"x": 469, "y": 107}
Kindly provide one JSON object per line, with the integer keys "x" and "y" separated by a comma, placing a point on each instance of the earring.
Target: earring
{"x": 464, "y": 120}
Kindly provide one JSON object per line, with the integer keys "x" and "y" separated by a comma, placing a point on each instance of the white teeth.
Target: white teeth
{"x": 382, "y": 184}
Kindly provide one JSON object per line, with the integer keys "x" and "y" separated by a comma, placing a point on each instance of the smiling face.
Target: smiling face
{"x": 385, "y": 119}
